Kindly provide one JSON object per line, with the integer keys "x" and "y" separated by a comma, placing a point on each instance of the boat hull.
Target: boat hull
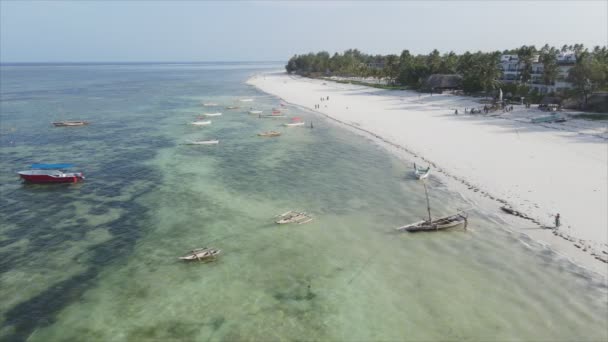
{"x": 42, "y": 179}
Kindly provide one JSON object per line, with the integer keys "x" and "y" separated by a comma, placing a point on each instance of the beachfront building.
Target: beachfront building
{"x": 511, "y": 72}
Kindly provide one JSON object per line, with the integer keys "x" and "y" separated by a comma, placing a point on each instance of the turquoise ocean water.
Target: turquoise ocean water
{"x": 97, "y": 261}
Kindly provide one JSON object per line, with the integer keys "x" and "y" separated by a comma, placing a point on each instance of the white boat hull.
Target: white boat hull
{"x": 206, "y": 142}
{"x": 201, "y": 123}
{"x": 295, "y": 124}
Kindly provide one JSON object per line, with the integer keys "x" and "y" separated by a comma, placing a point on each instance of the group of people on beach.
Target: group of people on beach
{"x": 318, "y": 106}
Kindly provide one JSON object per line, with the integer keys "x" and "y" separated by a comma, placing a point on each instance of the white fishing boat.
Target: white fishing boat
{"x": 203, "y": 142}
{"x": 201, "y": 254}
{"x": 256, "y": 112}
{"x": 421, "y": 173}
{"x": 213, "y": 114}
{"x": 201, "y": 123}
{"x": 294, "y": 124}
{"x": 246, "y": 100}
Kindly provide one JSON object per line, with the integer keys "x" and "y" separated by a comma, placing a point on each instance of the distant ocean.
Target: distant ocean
{"x": 97, "y": 260}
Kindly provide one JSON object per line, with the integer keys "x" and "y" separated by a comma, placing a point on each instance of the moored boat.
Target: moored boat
{"x": 203, "y": 142}
{"x": 70, "y": 123}
{"x": 212, "y": 114}
{"x": 294, "y": 124}
{"x": 201, "y": 123}
{"x": 255, "y": 112}
{"x": 445, "y": 222}
{"x": 421, "y": 173}
{"x": 232, "y": 107}
{"x": 269, "y": 134}
{"x": 554, "y": 117}
{"x": 210, "y": 104}
{"x": 246, "y": 100}
{"x": 293, "y": 217}
{"x": 201, "y": 254}
{"x": 50, "y": 173}
{"x": 430, "y": 224}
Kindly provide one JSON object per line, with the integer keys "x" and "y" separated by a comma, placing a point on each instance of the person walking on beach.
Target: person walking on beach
{"x": 557, "y": 221}
{"x": 456, "y": 112}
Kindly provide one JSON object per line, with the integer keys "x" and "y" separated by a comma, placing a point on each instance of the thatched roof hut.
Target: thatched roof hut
{"x": 443, "y": 82}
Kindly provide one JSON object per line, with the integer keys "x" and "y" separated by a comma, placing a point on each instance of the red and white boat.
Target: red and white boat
{"x": 50, "y": 173}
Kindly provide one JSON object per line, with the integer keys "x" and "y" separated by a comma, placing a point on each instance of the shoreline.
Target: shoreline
{"x": 591, "y": 254}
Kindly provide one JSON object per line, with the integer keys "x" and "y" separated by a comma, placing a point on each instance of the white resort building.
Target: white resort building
{"x": 511, "y": 72}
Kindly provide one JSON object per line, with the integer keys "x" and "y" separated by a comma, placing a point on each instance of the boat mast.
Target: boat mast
{"x": 428, "y": 204}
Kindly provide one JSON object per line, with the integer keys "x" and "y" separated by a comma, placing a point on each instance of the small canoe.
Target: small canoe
{"x": 203, "y": 142}
{"x": 269, "y": 134}
{"x": 446, "y": 222}
{"x": 201, "y": 254}
{"x": 255, "y": 112}
{"x": 421, "y": 173}
{"x": 201, "y": 123}
{"x": 212, "y": 114}
{"x": 294, "y": 124}
{"x": 70, "y": 123}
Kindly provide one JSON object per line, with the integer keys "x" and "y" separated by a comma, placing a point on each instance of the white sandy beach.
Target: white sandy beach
{"x": 537, "y": 169}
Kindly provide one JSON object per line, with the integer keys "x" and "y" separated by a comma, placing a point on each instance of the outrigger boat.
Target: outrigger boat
{"x": 269, "y": 134}
{"x": 431, "y": 224}
{"x": 293, "y": 217}
{"x": 203, "y": 142}
{"x": 421, "y": 173}
{"x": 70, "y": 123}
{"x": 201, "y": 123}
{"x": 50, "y": 173}
{"x": 201, "y": 254}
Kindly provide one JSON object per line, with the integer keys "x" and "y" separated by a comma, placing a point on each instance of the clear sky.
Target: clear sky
{"x": 53, "y": 31}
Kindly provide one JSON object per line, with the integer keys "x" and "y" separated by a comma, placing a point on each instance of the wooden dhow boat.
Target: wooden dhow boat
{"x": 70, "y": 123}
{"x": 421, "y": 173}
{"x": 293, "y": 217}
{"x": 269, "y": 134}
{"x": 201, "y": 254}
{"x": 430, "y": 224}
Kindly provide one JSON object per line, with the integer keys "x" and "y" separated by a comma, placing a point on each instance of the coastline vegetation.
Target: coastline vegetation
{"x": 480, "y": 71}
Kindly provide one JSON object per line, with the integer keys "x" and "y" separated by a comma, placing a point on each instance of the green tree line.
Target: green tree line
{"x": 480, "y": 71}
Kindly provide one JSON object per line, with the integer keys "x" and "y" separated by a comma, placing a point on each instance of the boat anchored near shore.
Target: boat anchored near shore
{"x": 430, "y": 224}
{"x": 50, "y": 173}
